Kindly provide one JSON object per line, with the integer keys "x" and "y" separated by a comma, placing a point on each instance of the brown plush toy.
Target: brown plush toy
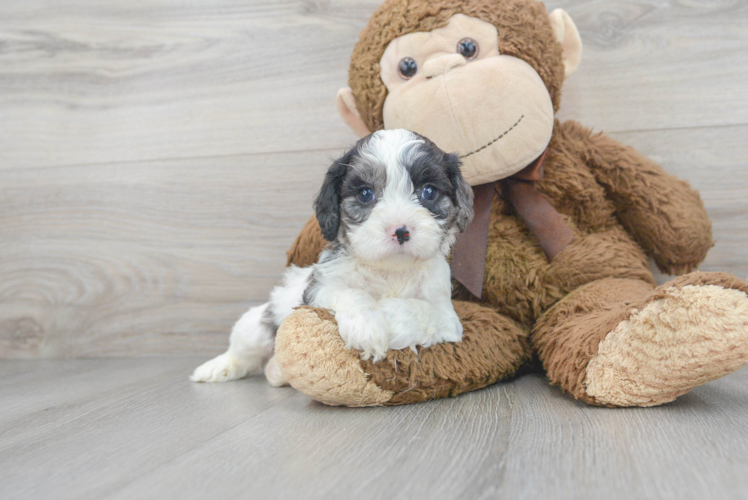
{"x": 555, "y": 263}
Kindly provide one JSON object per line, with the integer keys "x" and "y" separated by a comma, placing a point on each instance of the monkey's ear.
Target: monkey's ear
{"x": 568, "y": 36}
{"x": 327, "y": 203}
{"x": 347, "y": 109}
{"x": 462, "y": 192}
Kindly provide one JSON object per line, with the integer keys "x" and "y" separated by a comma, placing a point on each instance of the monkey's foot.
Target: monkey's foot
{"x": 685, "y": 335}
{"x": 314, "y": 359}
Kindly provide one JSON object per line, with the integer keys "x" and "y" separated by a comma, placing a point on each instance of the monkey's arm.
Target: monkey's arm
{"x": 308, "y": 245}
{"x": 663, "y": 213}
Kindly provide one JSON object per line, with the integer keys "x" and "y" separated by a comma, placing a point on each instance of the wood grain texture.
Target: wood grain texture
{"x": 147, "y": 257}
{"x": 659, "y": 64}
{"x": 136, "y": 428}
{"x": 124, "y": 81}
{"x": 157, "y": 158}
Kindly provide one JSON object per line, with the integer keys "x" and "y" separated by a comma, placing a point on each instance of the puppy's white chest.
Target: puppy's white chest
{"x": 407, "y": 283}
{"x": 403, "y": 287}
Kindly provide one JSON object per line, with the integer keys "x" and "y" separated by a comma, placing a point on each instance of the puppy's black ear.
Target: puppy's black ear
{"x": 327, "y": 203}
{"x": 462, "y": 193}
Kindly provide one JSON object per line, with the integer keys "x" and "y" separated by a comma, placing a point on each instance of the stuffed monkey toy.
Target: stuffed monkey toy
{"x": 554, "y": 265}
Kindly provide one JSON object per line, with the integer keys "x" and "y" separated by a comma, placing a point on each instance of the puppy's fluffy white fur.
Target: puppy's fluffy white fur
{"x": 392, "y": 207}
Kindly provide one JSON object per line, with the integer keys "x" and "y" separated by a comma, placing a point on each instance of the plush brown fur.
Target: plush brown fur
{"x": 620, "y": 206}
{"x": 493, "y": 348}
{"x": 569, "y": 334}
{"x": 680, "y": 337}
{"x": 308, "y": 245}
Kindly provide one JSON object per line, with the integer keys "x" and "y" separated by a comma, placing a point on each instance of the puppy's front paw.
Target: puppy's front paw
{"x": 414, "y": 322}
{"x": 450, "y": 330}
{"x": 364, "y": 333}
{"x": 224, "y": 368}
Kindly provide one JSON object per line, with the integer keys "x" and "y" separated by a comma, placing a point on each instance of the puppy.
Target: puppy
{"x": 391, "y": 208}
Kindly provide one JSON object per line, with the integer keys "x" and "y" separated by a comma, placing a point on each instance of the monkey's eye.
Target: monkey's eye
{"x": 428, "y": 193}
{"x": 407, "y": 67}
{"x": 467, "y": 48}
{"x": 365, "y": 195}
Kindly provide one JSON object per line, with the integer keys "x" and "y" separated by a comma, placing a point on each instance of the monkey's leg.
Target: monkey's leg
{"x": 314, "y": 360}
{"x": 309, "y": 243}
{"x": 618, "y": 342}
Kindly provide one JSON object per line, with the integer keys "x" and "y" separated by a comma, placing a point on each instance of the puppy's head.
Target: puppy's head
{"x": 395, "y": 194}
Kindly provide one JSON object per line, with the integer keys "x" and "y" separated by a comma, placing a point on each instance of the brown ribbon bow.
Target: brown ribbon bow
{"x": 544, "y": 222}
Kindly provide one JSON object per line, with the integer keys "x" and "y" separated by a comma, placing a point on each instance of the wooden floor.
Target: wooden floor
{"x": 136, "y": 429}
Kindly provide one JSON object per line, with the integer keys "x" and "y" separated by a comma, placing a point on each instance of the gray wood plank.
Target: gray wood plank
{"x": 163, "y": 437}
{"x": 123, "y": 81}
{"x": 658, "y": 64}
{"x": 517, "y": 440}
{"x": 119, "y": 259}
{"x": 31, "y": 404}
{"x": 111, "y": 427}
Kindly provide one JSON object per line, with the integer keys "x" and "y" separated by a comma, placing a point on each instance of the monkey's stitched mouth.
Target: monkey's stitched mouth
{"x": 494, "y": 140}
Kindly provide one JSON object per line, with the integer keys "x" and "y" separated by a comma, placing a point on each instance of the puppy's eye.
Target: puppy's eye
{"x": 428, "y": 193}
{"x": 467, "y": 48}
{"x": 365, "y": 195}
{"x": 407, "y": 67}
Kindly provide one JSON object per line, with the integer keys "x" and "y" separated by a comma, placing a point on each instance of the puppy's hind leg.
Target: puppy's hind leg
{"x": 273, "y": 373}
{"x": 251, "y": 343}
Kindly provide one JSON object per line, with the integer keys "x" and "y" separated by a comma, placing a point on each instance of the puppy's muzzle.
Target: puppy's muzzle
{"x": 402, "y": 234}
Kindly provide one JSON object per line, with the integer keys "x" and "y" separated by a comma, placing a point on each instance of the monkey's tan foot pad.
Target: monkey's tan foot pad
{"x": 684, "y": 336}
{"x": 314, "y": 360}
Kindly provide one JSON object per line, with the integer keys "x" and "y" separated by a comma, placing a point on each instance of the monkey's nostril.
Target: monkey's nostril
{"x": 402, "y": 234}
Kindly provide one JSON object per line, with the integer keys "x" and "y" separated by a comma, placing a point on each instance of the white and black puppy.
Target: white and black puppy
{"x": 391, "y": 208}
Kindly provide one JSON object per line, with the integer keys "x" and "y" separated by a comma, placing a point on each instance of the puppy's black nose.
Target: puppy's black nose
{"x": 402, "y": 234}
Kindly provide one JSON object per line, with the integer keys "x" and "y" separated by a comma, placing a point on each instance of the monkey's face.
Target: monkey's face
{"x": 454, "y": 86}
